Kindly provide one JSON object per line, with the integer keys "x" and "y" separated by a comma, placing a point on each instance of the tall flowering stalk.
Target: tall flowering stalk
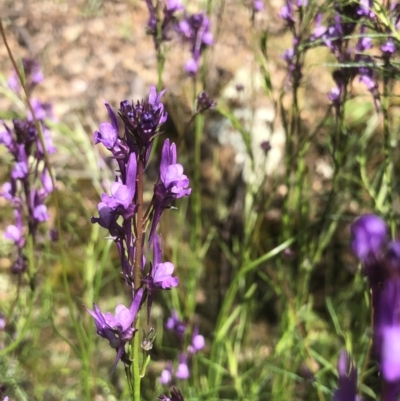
{"x": 132, "y": 225}
{"x": 380, "y": 258}
{"x": 29, "y": 182}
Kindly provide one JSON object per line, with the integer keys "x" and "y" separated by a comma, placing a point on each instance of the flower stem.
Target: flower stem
{"x": 137, "y": 281}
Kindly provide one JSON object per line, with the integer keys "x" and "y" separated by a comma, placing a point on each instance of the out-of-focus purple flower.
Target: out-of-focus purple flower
{"x": 265, "y": 146}
{"x": 166, "y": 374}
{"x": 167, "y": 23}
{"x": 172, "y": 184}
{"x": 347, "y": 390}
{"x": 366, "y": 8}
{"x": 32, "y": 72}
{"x": 117, "y": 329}
{"x": 182, "y": 372}
{"x": 3, "y": 321}
{"x": 204, "y": 102}
{"x": 176, "y": 395}
{"x": 388, "y": 48}
{"x": 387, "y": 330}
{"x": 198, "y": 342}
{"x": 369, "y": 235}
{"x": 286, "y": 13}
{"x": 195, "y": 29}
{"x": 175, "y": 324}
{"x": 364, "y": 42}
{"x": 258, "y": 6}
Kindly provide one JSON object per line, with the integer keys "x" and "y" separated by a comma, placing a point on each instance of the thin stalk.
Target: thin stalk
{"x": 388, "y": 154}
{"x": 135, "y": 343}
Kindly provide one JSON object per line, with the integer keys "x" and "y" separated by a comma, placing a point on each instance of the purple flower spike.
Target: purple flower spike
{"x": 195, "y": 29}
{"x": 347, "y": 390}
{"x": 117, "y": 329}
{"x": 369, "y": 234}
{"x": 387, "y": 330}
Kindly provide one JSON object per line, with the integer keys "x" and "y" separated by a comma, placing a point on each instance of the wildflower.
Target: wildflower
{"x": 195, "y": 29}
{"x": 166, "y": 374}
{"x": 160, "y": 276}
{"x": 369, "y": 234}
{"x": 117, "y": 329}
{"x": 198, "y": 342}
{"x": 142, "y": 122}
{"x": 32, "y": 73}
{"x": 388, "y": 48}
{"x": 258, "y": 6}
{"x": 172, "y": 184}
{"x": 182, "y": 371}
{"x": 347, "y": 390}
{"x": 204, "y": 102}
{"x": 168, "y": 22}
{"x": 175, "y": 324}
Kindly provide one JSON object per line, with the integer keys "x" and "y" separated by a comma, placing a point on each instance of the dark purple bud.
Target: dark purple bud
{"x": 204, "y": 102}
{"x": 266, "y": 146}
{"x": 176, "y": 395}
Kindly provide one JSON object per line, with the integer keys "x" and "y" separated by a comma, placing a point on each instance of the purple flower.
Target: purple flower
{"x": 172, "y": 184}
{"x": 182, "y": 372}
{"x": 122, "y": 194}
{"x": 117, "y": 329}
{"x": 142, "y": 122}
{"x": 258, "y": 5}
{"x": 176, "y": 325}
{"x": 369, "y": 235}
{"x": 286, "y": 13}
{"x": 388, "y": 48}
{"x": 166, "y": 374}
{"x": 32, "y": 72}
{"x": 204, "y": 102}
{"x": 166, "y": 25}
{"x": 347, "y": 390}
{"x": 195, "y": 29}
{"x": 198, "y": 342}
{"x": 387, "y": 330}
{"x": 160, "y": 276}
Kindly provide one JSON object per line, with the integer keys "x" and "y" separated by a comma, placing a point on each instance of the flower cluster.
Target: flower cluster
{"x": 197, "y": 343}
{"x": 29, "y": 183}
{"x": 166, "y": 25}
{"x": 380, "y": 258}
{"x": 193, "y": 29}
{"x": 122, "y": 212}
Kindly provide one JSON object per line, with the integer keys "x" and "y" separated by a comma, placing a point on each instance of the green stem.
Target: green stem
{"x": 135, "y": 343}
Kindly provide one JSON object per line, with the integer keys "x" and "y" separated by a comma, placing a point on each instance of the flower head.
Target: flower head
{"x": 347, "y": 390}
{"x": 118, "y": 328}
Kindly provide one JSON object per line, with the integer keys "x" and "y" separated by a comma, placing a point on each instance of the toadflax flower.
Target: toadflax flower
{"x": 118, "y": 329}
{"x": 195, "y": 29}
{"x": 172, "y": 184}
